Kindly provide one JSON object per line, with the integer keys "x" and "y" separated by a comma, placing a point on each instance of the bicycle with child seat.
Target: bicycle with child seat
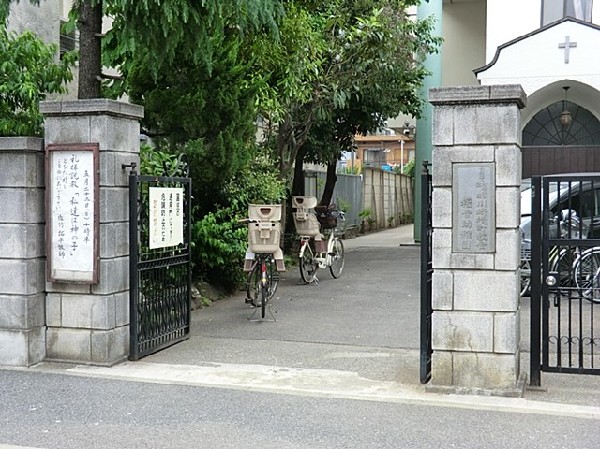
{"x": 264, "y": 258}
{"x": 315, "y": 254}
{"x": 262, "y": 282}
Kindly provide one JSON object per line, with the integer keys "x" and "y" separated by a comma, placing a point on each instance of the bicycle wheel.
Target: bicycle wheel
{"x": 307, "y": 263}
{"x": 525, "y": 268}
{"x": 337, "y": 258}
{"x": 264, "y": 297}
{"x": 253, "y": 283}
{"x": 272, "y": 277}
{"x": 564, "y": 264}
{"x": 253, "y": 286}
{"x": 587, "y": 275}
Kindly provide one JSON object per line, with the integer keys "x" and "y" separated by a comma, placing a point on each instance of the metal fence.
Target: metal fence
{"x": 387, "y": 197}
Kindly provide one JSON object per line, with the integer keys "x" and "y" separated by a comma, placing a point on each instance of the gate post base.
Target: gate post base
{"x": 516, "y": 392}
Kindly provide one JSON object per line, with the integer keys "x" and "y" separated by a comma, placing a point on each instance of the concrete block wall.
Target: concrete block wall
{"x": 475, "y": 295}
{"x": 22, "y": 252}
{"x": 90, "y": 323}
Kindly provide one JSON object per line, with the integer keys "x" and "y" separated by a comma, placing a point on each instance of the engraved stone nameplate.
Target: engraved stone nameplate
{"x": 473, "y": 208}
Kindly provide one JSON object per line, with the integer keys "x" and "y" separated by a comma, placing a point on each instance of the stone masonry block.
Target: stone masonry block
{"x": 486, "y": 291}
{"x": 463, "y": 331}
{"x": 507, "y": 332}
{"x": 508, "y": 249}
{"x": 508, "y": 207}
{"x": 54, "y": 309}
{"x": 443, "y": 158}
{"x": 442, "y": 208}
{"x": 442, "y": 368}
{"x": 21, "y": 144}
{"x": 121, "y": 309}
{"x": 91, "y": 107}
{"x": 22, "y": 347}
{"x": 441, "y": 170}
{"x": 459, "y": 95}
{"x": 22, "y": 241}
{"x": 486, "y": 124}
{"x": 471, "y": 261}
{"x": 443, "y": 126}
{"x": 442, "y": 247}
{"x": 511, "y": 93}
{"x": 114, "y": 204}
{"x": 110, "y": 347}
{"x": 112, "y": 173}
{"x": 22, "y": 312}
{"x": 489, "y": 371}
{"x": 67, "y": 129}
{"x": 68, "y": 287}
{"x": 442, "y": 290}
{"x": 107, "y": 169}
{"x": 22, "y": 169}
{"x": 114, "y": 276}
{"x": 26, "y": 205}
{"x": 508, "y": 165}
{"x": 122, "y": 174}
{"x": 115, "y": 133}
{"x": 473, "y": 97}
{"x": 114, "y": 240}
{"x": 22, "y": 276}
{"x": 68, "y": 345}
{"x": 90, "y": 312}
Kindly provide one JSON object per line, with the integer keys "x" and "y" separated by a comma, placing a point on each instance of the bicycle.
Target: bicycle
{"x": 264, "y": 258}
{"x": 314, "y": 252}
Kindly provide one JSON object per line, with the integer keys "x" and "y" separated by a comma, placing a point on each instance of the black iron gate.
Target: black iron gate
{"x": 426, "y": 273}
{"x": 565, "y": 270}
{"x": 160, "y": 262}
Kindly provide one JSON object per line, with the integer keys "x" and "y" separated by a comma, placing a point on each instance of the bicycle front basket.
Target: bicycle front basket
{"x": 327, "y": 218}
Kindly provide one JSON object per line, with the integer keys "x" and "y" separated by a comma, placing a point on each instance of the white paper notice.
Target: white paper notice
{"x": 166, "y": 216}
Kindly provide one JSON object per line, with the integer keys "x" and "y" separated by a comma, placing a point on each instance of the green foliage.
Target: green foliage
{"x": 219, "y": 242}
{"x": 164, "y": 33}
{"x": 409, "y": 168}
{"x": 219, "y": 248}
{"x": 349, "y": 170}
{"x": 365, "y": 213}
{"x": 29, "y": 72}
{"x": 154, "y": 162}
{"x": 343, "y": 205}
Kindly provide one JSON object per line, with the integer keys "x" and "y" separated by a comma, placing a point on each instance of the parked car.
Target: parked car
{"x": 573, "y": 213}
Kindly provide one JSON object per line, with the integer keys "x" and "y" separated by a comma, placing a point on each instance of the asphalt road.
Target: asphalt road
{"x": 58, "y": 411}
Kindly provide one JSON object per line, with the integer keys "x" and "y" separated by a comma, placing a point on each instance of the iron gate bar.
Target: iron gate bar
{"x": 159, "y": 316}
{"x": 426, "y": 350}
{"x": 568, "y": 254}
{"x": 536, "y": 236}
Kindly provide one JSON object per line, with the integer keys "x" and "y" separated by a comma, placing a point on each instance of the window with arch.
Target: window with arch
{"x": 546, "y": 128}
{"x": 553, "y": 10}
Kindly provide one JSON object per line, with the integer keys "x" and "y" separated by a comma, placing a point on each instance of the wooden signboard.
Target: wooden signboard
{"x": 72, "y": 212}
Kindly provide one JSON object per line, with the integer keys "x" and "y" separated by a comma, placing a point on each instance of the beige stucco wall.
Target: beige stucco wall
{"x": 463, "y": 30}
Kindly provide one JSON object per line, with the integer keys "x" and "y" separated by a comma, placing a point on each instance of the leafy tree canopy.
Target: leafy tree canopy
{"x": 30, "y": 71}
{"x": 344, "y": 66}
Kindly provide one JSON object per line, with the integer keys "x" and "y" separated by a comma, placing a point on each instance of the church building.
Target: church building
{"x": 551, "y": 48}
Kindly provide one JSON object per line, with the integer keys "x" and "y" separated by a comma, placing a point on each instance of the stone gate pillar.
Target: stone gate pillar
{"x": 22, "y": 250}
{"x": 476, "y": 175}
{"x": 89, "y": 323}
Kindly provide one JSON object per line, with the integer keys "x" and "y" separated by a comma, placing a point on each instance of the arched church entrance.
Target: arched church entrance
{"x": 561, "y": 138}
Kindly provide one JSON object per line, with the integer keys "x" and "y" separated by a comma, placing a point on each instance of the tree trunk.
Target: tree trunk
{"x": 298, "y": 181}
{"x": 329, "y": 184}
{"x": 90, "y": 65}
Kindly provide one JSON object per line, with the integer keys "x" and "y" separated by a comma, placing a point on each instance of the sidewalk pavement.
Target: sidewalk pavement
{"x": 354, "y": 337}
